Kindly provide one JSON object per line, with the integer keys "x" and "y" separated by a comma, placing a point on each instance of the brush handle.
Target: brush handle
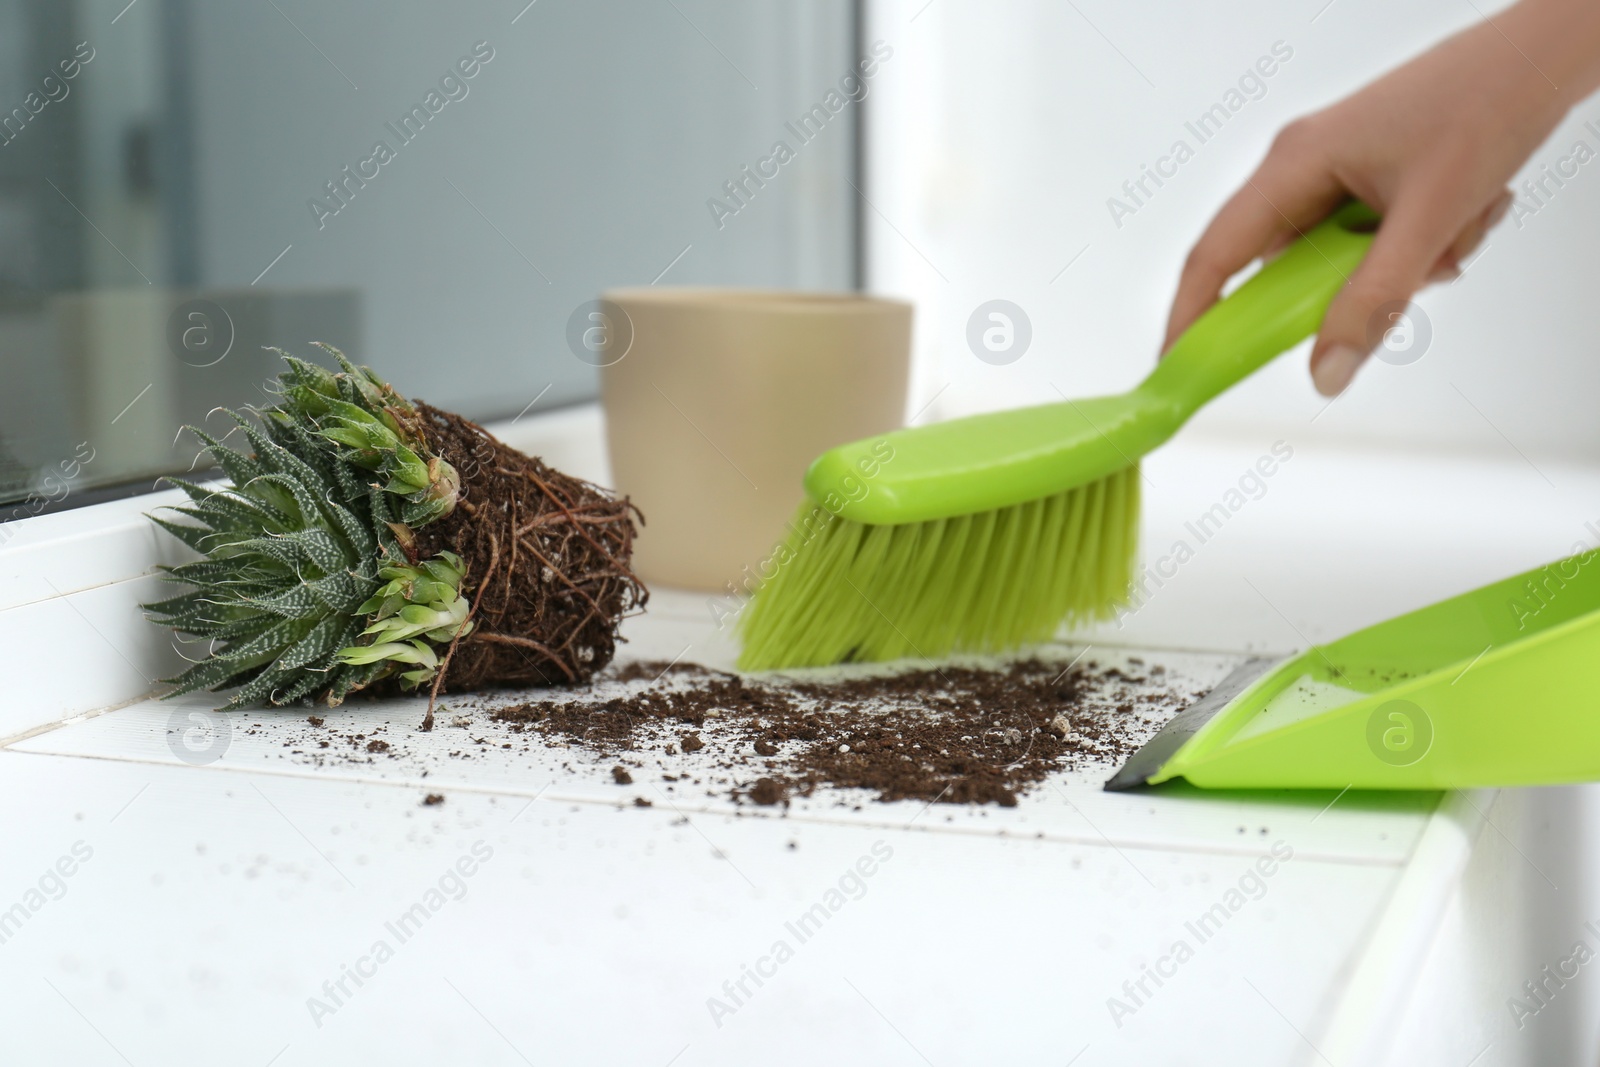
{"x": 1280, "y": 306}
{"x": 1003, "y": 458}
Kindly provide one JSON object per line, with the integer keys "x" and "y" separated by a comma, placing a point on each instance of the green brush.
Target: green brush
{"x": 987, "y": 533}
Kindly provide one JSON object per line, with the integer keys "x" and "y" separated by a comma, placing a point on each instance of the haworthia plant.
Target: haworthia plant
{"x": 306, "y": 588}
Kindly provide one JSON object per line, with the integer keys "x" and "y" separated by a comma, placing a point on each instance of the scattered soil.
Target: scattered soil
{"x": 955, "y": 735}
{"x": 973, "y": 732}
{"x": 767, "y": 791}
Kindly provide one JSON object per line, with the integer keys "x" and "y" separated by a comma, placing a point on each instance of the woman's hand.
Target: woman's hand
{"x": 1430, "y": 146}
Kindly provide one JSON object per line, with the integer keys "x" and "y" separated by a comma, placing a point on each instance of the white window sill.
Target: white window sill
{"x": 1391, "y": 927}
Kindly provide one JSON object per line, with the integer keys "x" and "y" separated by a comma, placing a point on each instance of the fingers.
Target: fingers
{"x": 1461, "y": 249}
{"x": 1410, "y": 241}
{"x": 1419, "y": 241}
{"x": 1291, "y": 191}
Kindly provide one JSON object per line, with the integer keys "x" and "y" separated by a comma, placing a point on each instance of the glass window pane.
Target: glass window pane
{"x": 432, "y": 188}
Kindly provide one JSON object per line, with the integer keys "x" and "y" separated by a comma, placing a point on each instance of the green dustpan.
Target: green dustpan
{"x": 1496, "y": 687}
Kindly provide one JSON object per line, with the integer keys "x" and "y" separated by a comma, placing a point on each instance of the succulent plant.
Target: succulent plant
{"x": 375, "y": 429}
{"x": 299, "y": 545}
{"x": 311, "y": 581}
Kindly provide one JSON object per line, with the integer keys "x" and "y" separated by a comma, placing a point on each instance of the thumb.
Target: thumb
{"x": 1409, "y": 241}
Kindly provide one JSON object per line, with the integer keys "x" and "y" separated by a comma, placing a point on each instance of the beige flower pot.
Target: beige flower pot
{"x": 717, "y": 400}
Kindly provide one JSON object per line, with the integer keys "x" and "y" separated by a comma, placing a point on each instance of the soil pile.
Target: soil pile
{"x": 957, "y": 734}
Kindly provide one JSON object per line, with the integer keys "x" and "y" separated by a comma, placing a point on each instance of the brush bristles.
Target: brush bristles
{"x": 838, "y": 591}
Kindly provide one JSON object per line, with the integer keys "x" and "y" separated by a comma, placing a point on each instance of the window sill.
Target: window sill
{"x": 1409, "y": 915}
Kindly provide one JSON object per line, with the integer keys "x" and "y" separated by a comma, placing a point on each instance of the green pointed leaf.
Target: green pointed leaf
{"x": 264, "y": 686}
{"x": 420, "y": 514}
{"x": 239, "y": 467}
{"x": 349, "y": 368}
{"x": 324, "y": 639}
{"x": 270, "y": 642}
{"x": 359, "y": 539}
{"x": 355, "y": 416}
{"x": 323, "y": 549}
{"x": 353, "y": 489}
{"x": 288, "y": 554}
{"x": 208, "y": 619}
{"x": 226, "y": 511}
{"x": 447, "y": 568}
{"x": 193, "y": 536}
{"x": 310, "y": 680}
{"x": 279, "y": 460}
{"x": 243, "y": 627}
{"x": 308, "y": 375}
{"x": 173, "y": 605}
{"x": 214, "y": 673}
{"x": 300, "y": 401}
{"x": 297, "y": 603}
{"x": 409, "y": 468}
{"x": 205, "y": 571}
{"x": 343, "y": 592}
{"x": 348, "y": 678}
{"x": 355, "y": 439}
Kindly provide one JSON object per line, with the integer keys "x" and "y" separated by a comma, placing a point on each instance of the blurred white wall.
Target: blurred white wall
{"x": 999, "y": 132}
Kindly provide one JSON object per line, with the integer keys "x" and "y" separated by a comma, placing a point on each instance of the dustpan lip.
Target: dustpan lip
{"x": 1181, "y": 731}
{"x": 1224, "y": 721}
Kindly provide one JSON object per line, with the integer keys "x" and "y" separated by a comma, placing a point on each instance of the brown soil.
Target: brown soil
{"x": 966, "y": 734}
{"x": 547, "y": 564}
{"x": 768, "y": 791}
{"x": 959, "y": 735}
